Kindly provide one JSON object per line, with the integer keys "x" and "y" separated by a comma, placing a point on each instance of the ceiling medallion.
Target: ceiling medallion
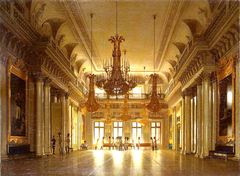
{"x": 108, "y": 118}
{"x": 91, "y": 105}
{"x": 125, "y": 117}
{"x": 144, "y": 120}
{"x": 117, "y": 81}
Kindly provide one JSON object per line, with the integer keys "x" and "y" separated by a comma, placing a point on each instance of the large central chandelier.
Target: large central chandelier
{"x": 154, "y": 105}
{"x": 91, "y": 105}
{"x": 117, "y": 81}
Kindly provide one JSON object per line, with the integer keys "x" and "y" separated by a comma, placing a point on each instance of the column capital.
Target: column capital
{"x": 67, "y": 95}
{"x": 206, "y": 75}
{"x": 38, "y": 76}
{"x": 183, "y": 94}
{"x": 47, "y": 81}
{"x": 62, "y": 93}
{"x": 198, "y": 80}
{"x": 188, "y": 91}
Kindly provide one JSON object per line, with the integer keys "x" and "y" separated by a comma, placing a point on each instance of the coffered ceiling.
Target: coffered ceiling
{"x": 69, "y": 24}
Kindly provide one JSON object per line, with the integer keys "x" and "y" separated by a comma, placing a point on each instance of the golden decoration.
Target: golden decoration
{"x": 144, "y": 120}
{"x": 108, "y": 118}
{"x": 125, "y": 117}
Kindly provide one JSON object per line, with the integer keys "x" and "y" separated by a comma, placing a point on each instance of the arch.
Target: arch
{"x": 180, "y": 46}
{"x": 195, "y": 26}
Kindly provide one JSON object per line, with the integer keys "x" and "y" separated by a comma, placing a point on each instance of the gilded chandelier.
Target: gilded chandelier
{"x": 154, "y": 105}
{"x": 108, "y": 120}
{"x": 144, "y": 120}
{"x": 117, "y": 81}
{"x": 125, "y": 117}
{"x": 91, "y": 105}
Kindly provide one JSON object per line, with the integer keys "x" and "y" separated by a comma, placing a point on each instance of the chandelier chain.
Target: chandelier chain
{"x": 154, "y": 17}
{"x": 91, "y": 42}
{"x": 116, "y": 18}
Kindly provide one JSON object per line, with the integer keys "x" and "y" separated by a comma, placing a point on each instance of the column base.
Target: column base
{"x": 196, "y": 155}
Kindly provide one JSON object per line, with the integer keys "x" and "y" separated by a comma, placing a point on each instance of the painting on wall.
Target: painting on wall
{"x": 18, "y": 106}
{"x": 17, "y": 102}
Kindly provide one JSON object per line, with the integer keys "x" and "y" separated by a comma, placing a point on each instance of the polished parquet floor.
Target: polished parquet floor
{"x": 130, "y": 162}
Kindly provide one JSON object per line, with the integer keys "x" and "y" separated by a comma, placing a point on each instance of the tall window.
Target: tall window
{"x": 136, "y": 131}
{"x": 156, "y": 130}
{"x": 118, "y": 128}
{"x": 98, "y": 131}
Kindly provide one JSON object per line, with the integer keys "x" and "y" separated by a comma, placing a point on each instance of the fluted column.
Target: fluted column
{"x": 63, "y": 119}
{"x": 205, "y": 122}
{"x": 39, "y": 114}
{"x": 47, "y": 147}
{"x": 199, "y": 116}
{"x": 187, "y": 122}
{"x": 183, "y": 124}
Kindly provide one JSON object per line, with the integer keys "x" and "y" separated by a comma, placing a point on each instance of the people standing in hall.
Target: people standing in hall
{"x": 109, "y": 143}
{"x": 155, "y": 143}
{"x": 102, "y": 143}
{"x": 133, "y": 144}
{"x": 152, "y": 143}
{"x": 127, "y": 142}
{"x": 138, "y": 143}
{"x": 96, "y": 144}
{"x": 67, "y": 142}
{"x": 53, "y": 144}
{"x": 60, "y": 144}
{"x": 113, "y": 143}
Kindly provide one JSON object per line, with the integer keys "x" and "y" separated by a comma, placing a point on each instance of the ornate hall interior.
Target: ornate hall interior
{"x": 119, "y": 87}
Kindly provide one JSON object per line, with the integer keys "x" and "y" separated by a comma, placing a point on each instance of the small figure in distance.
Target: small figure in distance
{"x": 53, "y": 144}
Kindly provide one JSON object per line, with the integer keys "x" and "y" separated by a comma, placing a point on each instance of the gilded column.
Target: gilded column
{"x": 199, "y": 116}
{"x": 47, "y": 96}
{"x": 63, "y": 119}
{"x": 183, "y": 124}
{"x": 195, "y": 121}
{"x": 205, "y": 109}
{"x": 214, "y": 113}
{"x": 237, "y": 106}
{"x": 175, "y": 130}
{"x": 192, "y": 122}
{"x": 187, "y": 122}
{"x": 67, "y": 122}
{"x": 79, "y": 136}
{"x": 39, "y": 114}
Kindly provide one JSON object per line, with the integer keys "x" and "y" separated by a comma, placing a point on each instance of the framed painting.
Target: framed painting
{"x": 17, "y": 102}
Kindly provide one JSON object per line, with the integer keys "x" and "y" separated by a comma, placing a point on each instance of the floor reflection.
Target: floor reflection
{"x": 130, "y": 162}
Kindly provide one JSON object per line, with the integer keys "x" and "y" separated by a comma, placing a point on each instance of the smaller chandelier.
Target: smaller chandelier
{"x": 125, "y": 117}
{"x": 108, "y": 118}
{"x": 154, "y": 105}
{"x": 144, "y": 120}
{"x": 91, "y": 105}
